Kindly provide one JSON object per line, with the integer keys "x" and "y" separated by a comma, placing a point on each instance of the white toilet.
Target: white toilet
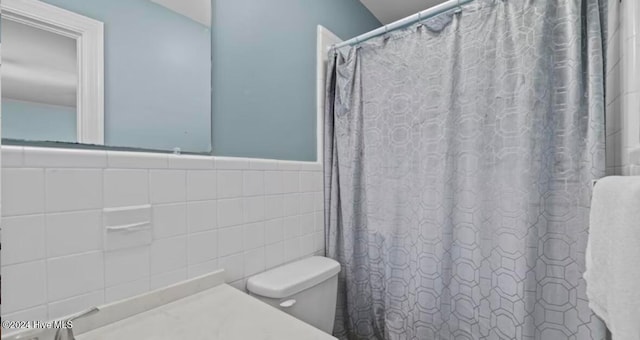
{"x": 306, "y": 289}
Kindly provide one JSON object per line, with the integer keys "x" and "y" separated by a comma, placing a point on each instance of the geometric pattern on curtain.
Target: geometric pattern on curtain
{"x": 458, "y": 174}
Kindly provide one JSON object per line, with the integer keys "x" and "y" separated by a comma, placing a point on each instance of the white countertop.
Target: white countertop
{"x": 222, "y": 312}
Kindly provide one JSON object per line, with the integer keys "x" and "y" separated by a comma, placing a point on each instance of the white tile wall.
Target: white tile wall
{"x": 17, "y": 229}
{"x": 623, "y": 115}
{"x": 202, "y": 215}
{"x": 22, "y": 191}
{"x": 169, "y": 220}
{"x": 125, "y": 187}
{"x": 24, "y": 286}
{"x": 74, "y": 275}
{"x": 86, "y": 226}
{"x": 167, "y": 186}
{"x": 243, "y": 215}
{"x": 614, "y": 97}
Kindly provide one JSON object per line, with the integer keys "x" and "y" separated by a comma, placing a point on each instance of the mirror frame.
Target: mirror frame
{"x": 89, "y": 36}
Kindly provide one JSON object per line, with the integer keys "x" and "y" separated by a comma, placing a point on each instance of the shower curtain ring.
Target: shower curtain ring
{"x": 459, "y": 7}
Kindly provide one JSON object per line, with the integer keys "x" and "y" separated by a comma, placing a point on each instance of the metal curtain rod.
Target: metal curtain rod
{"x": 426, "y": 14}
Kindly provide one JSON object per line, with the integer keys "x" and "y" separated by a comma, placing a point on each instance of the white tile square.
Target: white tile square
{"x": 311, "y": 166}
{"x": 229, "y": 183}
{"x": 307, "y": 244}
{"x": 74, "y": 233}
{"x": 292, "y": 249}
{"x": 307, "y": 203}
{"x": 230, "y": 212}
{"x": 253, "y": 235}
{"x": 307, "y": 182}
{"x": 288, "y": 165}
{"x": 12, "y": 156}
{"x": 168, "y": 254}
{"x": 253, "y": 183}
{"x": 318, "y": 241}
{"x": 74, "y": 275}
{"x": 126, "y": 187}
{"x": 167, "y": 186}
{"x": 202, "y": 268}
{"x": 253, "y": 209}
{"x": 73, "y": 189}
{"x": 254, "y": 261}
{"x": 319, "y": 221}
{"x": 273, "y": 182}
{"x": 64, "y": 158}
{"x": 291, "y": 226}
{"x": 233, "y": 266}
{"x": 273, "y": 206}
{"x": 318, "y": 181}
{"x": 169, "y": 220}
{"x": 167, "y": 279}
{"x": 126, "y": 265}
{"x": 68, "y": 307}
{"x": 203, "y": 247}
{"x": 230, "y": 240}
{"x": 127, "y": 290}
{"x": 23, "y": 239}
{"x": 307, "y": 223}
{"x": 190, "y": 162}
{"x": 263, "y": 164}
{"x": 273, "y": 231}
{"x": 291, "y": 204}
{"x": 274, "y": 255}
{"x": 201, "y": 185}
{"x": 136, "y": 160}
{"x": 318, "y": 201}
{"x": 23, "y": 286}
{"x": 201, "y": 216}
{"x": 291, "y": 181}
{"x": 22, "y": 191}
{"x": 231, "y": 163}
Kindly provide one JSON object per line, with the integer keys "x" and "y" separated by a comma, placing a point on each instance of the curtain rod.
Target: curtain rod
{"x": 426, "y": 14}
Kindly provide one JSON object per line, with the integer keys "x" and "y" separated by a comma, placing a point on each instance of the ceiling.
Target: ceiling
{"x": 197, "y": 10}
{"x": 38, "y": 66}
{"x": 389, "y": 11}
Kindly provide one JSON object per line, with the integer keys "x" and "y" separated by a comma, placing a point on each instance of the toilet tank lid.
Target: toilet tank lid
{"x": 292, "y": 278}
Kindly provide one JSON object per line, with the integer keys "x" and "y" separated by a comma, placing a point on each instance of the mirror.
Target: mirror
{"x": 115, "y": 73}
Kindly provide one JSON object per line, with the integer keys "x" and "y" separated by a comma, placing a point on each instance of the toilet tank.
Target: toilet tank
{"x": 305, "y": 289}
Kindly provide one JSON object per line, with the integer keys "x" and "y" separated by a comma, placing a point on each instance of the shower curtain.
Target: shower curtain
{"x": 459, "y": 160}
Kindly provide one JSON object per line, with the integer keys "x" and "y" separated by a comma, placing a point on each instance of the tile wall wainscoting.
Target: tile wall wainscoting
{"x": 614, "y": 98}
{"x": 624, "y": 85}
{"x": 205, "y": 213}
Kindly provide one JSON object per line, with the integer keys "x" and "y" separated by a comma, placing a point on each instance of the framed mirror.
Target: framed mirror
{"x": 132, "y": 74}
{"x": 52, "y": 74}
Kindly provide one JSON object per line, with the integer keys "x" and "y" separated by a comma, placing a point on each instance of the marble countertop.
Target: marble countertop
{"x": 222, "y": 312}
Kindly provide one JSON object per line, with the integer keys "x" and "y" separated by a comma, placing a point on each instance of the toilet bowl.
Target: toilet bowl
{"x": 305, "y": 289}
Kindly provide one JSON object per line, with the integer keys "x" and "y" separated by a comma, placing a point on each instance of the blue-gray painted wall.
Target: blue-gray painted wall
{"x": 157, "y": 75}
{"x": 264, "y": 72}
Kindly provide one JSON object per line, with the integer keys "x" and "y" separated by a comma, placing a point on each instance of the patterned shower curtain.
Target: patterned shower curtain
{"x": 459, "y": 160}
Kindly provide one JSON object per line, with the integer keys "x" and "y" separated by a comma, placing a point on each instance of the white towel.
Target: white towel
{"x": 613, "y": 255}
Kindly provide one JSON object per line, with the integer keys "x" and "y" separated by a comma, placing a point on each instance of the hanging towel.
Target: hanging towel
{"x": 613, "y": 255}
